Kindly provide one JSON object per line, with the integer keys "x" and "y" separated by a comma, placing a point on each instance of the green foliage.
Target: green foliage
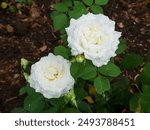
{"x": 29, "y": 2}
{"x": 70, "y": 110}
{"x": 108, "y": 94}
{"x": 140, "y": 102}
{"x": 84, "y": 107}
{"x": 122, "y": 46}
{"x": 148, "y": 56}
{"x": 96, "y": 9}
{"x": 57, "y": 104}
{"x": 62, "y": 7}
{"x": 54, "y": 14}
{"x": 83, "y": 70}
{"x": 145, "y": 75}
{"x": 67, "y": 2}
{"x": 88, "y": 2}
{"x": 145, "y": 99}
{"x": 26, "y": 89}
{"x": 110, "y": 70}
{"x": 78, "y": 10}
{"x": 120, "y": 92}
{"x": 131, "y": 61}
{"x": 134, "y": 103}
{"x": 67, "y": 9}
{"x": 21, "y": 1}
{"x": 101, "y": 2}
{"x": 12, "y": 9}
{"x": 34, "y": 103}
{"x": 80, "y": 92}
{"x": 101, "y": 84}
{"x": 61, "y": 50}
{"x": 56, "y": 21}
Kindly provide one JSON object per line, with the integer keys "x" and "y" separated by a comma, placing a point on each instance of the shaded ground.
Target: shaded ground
{"x": 29, "y": 34}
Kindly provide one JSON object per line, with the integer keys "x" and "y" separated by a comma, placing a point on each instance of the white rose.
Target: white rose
{"x": 94, "y": 36}
{"x": 51, "y": 76}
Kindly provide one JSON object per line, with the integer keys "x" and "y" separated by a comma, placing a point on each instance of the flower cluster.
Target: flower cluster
{"x": 91, "y": 36}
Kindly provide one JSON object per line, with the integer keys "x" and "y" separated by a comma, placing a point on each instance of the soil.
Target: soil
{"x": 29, "y": 34}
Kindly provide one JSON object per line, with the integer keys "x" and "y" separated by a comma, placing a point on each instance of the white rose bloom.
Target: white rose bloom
{"x": 51, "y": 76}
{"x": 94, "y": 36}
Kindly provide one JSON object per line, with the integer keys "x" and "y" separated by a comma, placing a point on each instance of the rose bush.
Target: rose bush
{"x": 51, "y": 76}
{"x": 97, "y": 87}
{"x": 94, "y": 36}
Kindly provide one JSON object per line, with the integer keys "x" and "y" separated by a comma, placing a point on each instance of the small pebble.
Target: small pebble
{"x": 43, "y": 48}
{"x": 9, "y": 28}
{"x": 120, "y": 25}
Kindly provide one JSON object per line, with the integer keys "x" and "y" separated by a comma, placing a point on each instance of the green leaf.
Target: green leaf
{"x": 148, "y": 56}
{"x": 88, "y": 2}
{"x": 26, "y": 89}
{"x": 140, "y": 102}
{"x": 84, "y": 107}
{"x": 12, "y": 9}
{"x": 67, "y": 2}
{"x": 64, "y": 39}
{"x": 135, "y": 103}
{"x": 62, "y": 7}
{"x": 62, "y": 31}
{"x": 58, "y": 103}
{"x": 61, "y": 50}
{"x": 101, "y": 2}
{"x": 145, "y": 74}
{"x": 120, "y": 92}
{"x": 78, "y": 3}
{"x": 88, "y": 72}
{"x": 75, "y": 67}
{"x": 54, "y": 14}
{"x": 83, "y": 70}
{"x": 34, "y": 103}
{"x": 80, "y": 92}
{"x": 60, "y": 25}
{"x": 70, "y": 110}
{"x": 96, "y": 9}
{"x": 29, "y": 2}
{"x": 23, "y": 90}
{"x": 21, "y": 1}
{"x": 104, "y": 98}
{"x": 131, "y": 61}
{"x": 101, "y": 84}
{"x": 78, "y": 10}
{"x": 122, "y": 46}
{"x": 145, "y": 99}
{"x": 110, "y": 70}
{"x": 51, "y": 110}
{"x": 100, "y": 108}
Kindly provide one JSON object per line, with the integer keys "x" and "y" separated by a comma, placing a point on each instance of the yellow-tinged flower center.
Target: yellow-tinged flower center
{"x": 92, "y": 35}
{"x": 51, "y": 73}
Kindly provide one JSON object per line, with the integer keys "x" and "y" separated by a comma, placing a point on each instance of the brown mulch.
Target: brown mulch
{"x": 133, "y": 20}
{"x": 29, "y": 34}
